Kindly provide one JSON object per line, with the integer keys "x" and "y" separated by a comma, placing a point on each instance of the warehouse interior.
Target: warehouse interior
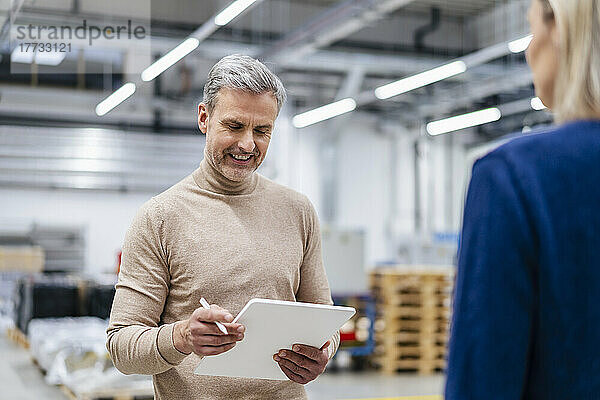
{"x": 387, "y": 184}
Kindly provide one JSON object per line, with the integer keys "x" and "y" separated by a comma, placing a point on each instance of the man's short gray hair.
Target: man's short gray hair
{"x": 244, "y": 73}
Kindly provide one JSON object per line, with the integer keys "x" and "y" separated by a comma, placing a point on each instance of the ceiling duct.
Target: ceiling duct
{"x": 423, "y": 31}
{"x": 335, "y": 23}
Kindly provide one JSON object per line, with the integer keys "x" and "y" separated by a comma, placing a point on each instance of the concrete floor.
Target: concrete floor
{"x": 20, "y": 379}
{"x": 363, "y": 385}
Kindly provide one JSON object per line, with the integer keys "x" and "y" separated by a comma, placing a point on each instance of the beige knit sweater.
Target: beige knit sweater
{"x": 228, "y": 242}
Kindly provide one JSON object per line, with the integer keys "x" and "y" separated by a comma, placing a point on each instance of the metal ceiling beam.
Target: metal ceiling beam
{"x": 320, "y": 60}
{"x": 209, "y": 27}
{"x": 335, "y": 23}
{"x": 472, "y": 60}
{"x": 343, "y": 61}
{"x": 447, "y": 100}
{"x": 79, "y": 105}
{"x": 329, "y": 27}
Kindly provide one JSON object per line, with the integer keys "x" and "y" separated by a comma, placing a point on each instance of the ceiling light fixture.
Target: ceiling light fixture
{"x": 537, "y": 105}
{"x": 463, "y": 121}
{"x": 116, "y": 98}
{"x": 520, "y": 45}
{"x": 420, "y": 80}
{"x": 323, "y": 113}
{"x": 50, "y": 58}
{"x": 169, "y": 59}
{"x": 232, "y": 11}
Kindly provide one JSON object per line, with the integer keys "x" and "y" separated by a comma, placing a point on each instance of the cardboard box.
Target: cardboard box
{"x": 21, "y": 258}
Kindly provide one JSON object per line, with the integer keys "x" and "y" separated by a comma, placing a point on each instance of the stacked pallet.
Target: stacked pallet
{"x": 21, "y": 258}
{"x": 17, "y": 337}
{"x": 413, "y": 315}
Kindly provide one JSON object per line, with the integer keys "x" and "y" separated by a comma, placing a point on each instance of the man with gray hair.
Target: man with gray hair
{"x": 227, "y": 234}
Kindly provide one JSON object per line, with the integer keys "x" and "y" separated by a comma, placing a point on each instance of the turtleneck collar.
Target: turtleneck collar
{"x": 207, "y": 177}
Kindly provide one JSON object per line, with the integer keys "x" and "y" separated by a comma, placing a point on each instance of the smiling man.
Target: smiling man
{"x": 225, "y": 233}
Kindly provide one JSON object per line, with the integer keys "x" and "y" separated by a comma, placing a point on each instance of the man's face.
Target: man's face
{"x": 238, "y": 131}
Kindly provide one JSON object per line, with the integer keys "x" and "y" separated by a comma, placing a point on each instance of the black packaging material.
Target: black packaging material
{"x": 98, "y": 300}
{"x": 46, "y": 297}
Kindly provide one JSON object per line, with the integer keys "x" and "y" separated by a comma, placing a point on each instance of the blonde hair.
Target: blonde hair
{"x": 577, "y": 86}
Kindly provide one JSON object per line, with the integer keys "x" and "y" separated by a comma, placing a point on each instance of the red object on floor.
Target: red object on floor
{"x": 119, "y": 255}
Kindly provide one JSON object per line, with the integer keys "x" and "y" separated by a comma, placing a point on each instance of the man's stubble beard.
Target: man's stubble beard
{"x": 236, "y": 174}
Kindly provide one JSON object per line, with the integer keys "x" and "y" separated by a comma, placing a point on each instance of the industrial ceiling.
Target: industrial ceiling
{"x": 322, "y": 49}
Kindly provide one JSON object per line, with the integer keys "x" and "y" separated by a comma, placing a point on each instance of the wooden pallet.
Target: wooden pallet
{"x": 413, "y": 317}
{"x": 415, "y": 324}
{"x": 18, "y": 337}
{"x": 406, "y": 335}
{"x": 411, "y": 352}
{"x": 138, "y": 393}
{"x": 384, "y": 290}
{"x": 410, "y": 338}
{"x": 415, "y": 321}
{"x": 417, "y": 270}
{"x": 422, "y": 367}
{"x": 408, "y": 281}
{"x": 407, "y": 289}
{"x": 404, "y": 278}
{"x": 392, "y": 301}
{"x": 391, "y": 326}
{"x": 392, "y": 313}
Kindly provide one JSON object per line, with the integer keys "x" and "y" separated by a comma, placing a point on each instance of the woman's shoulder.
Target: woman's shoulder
{"x": 579, "y": 138}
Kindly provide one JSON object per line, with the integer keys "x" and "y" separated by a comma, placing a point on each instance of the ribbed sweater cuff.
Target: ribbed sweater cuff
{"x": 333, "y": 346}
{"x": 166, "y": 346}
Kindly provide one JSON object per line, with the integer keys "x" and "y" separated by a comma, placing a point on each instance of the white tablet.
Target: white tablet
{"x": 272, "y": 325}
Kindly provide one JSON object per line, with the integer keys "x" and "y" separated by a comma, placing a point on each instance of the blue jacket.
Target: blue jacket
{"x": 526, "y": 322}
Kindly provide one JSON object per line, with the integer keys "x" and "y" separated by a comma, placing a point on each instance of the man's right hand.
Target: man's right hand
{"x": 199, "y": 334}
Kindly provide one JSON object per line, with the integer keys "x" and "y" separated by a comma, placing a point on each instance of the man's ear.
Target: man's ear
{"x": 202, "y": 118}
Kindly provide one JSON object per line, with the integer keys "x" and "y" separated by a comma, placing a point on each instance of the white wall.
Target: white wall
{"x": 447, "y": 174}
{"x": 293, "y": 159}
{"x": 459, "y": 180}
{"x": 364, "y": 173}
{"x": 105, "y": 217}
{"x": 361, "y": 174}
{"x": 370, "y": 196}
{"x": 404, "y": 209}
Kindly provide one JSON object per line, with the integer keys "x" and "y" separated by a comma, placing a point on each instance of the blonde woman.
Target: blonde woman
{"x": 526, "y": 321}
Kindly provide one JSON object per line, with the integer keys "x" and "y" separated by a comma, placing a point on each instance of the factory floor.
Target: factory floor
{"x": 20, "y": 379}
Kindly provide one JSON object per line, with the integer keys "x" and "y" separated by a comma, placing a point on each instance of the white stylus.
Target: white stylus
{"x": 219, "y": 325}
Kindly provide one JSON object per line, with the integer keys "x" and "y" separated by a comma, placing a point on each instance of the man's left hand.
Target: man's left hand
{"x": 303, "y": 363}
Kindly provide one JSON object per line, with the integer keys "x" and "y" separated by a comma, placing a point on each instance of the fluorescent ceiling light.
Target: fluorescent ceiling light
{"x": 420, "y": 80}
{"x": 166, "y": 61}
{"x": 464, "y": 121}
{"x": 537, "y": 105}
{"x": 119, "y": 96}
{"x": 519, "y": 45}
{"x": 50, "y": 58}
{"x": 23, "y": 57}
{"x": 323, "y": 113}
{"x": 232, "y": 11}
